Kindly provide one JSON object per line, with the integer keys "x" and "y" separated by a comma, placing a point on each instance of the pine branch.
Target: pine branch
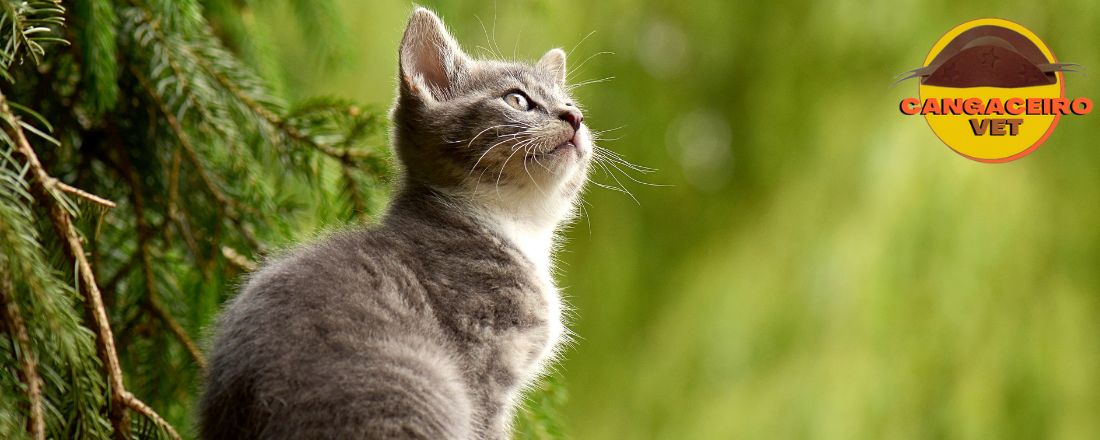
{"x": 165, "y": 316}
{"x": 253, "y": 98}
{"x": 29, "y": 24}
{"x": 74, "y": 391}
{"x": 175, "y": 61}
{"x": 176, "y": 215}
{"x": 182, "y": 76}
{"x": 151, "y": 79}
{"x": 320, "y": 20}
{"x": 140, "y": 407}
{"x": 17, "y": 328}
{"x": 120, "y": 273}
{"x": 81, "y": 193}
{"x": 62, "y": 222}
{"x": 358, "y": 202}
{"x": 190, "y": 69}
{"x": 137, "y": 202}
{"x": 240, "y": 261}
{"x": 98, "y": 47}
{"x": 226, "y": 206}
{"x": 343, "y": 153}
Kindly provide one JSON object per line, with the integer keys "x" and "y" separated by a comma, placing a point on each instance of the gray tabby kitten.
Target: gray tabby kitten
{"x": 431, "y": 324}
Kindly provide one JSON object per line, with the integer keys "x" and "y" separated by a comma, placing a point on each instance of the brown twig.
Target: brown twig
{"x": 81, "y": 193}
{"x": 123, "y": 270}
{"x": 173, "y": 64}
{"x": 235, "y": 258}
{"x": 137, "y": 405}
{"x": 178, "y": 217}
{"x": 358, "y": 202}
{"x": 344, "y": 155}
{"x": 145, "y": 233}
{"x": 120, "y": 273}
{"x": 174, "y": 326}
{"x": 174, "y": 182}
{"x": 225, "y": 205}
{"x": 93, "y": 299}
{"x": 13, "y": 320}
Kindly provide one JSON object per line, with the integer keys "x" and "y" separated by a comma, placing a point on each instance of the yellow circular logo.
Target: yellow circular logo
{"x": 992, "y": 90}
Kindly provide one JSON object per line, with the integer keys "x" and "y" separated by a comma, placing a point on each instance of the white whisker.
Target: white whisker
{"x": 483, "y": 132}
{"x": 575, "y": 46}
{"x": 576, "y": 70}
{"x": 619, "y": 187}
{"x": 628, "y": 176}
{"x": 515, "y": 149}
{"x": 572, "y": 87}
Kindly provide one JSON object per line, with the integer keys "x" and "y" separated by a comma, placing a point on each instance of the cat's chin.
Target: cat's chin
{"x": 558, "y": 164}
{"x": 565, "y": 151}
{"x": 564, "y": 147}
{"x": 575, "y": 148}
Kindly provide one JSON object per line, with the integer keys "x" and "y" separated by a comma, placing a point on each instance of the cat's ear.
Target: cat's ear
{"x": 553, "y": 63}
{"x": 431, "y": 60}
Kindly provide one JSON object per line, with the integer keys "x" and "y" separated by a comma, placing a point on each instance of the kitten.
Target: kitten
{"x": 431, "y": 324}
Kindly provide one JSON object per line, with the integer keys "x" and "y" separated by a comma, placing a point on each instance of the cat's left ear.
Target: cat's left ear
{"x": 431, "y": 60}
{"x": 553, "y": 63}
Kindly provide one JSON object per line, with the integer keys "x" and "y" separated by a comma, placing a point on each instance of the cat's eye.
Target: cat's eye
{"x": 518, "y": 101}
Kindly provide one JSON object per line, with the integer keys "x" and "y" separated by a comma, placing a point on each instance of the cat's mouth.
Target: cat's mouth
{"x": 567, "y": 145}
{"x": 562, "y": 149}
{"x": 571, "y": 147}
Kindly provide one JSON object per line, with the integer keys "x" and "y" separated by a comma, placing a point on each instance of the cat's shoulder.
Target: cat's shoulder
{"x": 327, "y": 262}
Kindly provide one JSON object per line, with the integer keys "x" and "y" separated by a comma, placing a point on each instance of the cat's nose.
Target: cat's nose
{"x": 573, "y": 117}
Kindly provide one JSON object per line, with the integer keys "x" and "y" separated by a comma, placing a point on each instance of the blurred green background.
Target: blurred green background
{"x": 819, "y": 266}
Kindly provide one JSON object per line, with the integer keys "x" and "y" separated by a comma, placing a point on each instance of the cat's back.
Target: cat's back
{"x": 332, "y": 278}
{"x": 332, "y": 330}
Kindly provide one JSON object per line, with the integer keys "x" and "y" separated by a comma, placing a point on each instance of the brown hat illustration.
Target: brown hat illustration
{"x": 989, "y": 56}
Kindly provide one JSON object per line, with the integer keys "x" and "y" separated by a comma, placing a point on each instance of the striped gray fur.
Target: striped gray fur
{"x": 430, "y": 324}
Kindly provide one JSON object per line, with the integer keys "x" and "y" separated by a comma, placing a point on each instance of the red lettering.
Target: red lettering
{"x": 931, "y": 106}
{"x": 909, "y": 106}
{"x": 1014, "y": 106}
{"x": 973, "y": 106}
{"x": 994, "y": 107}
{"x": 1081, "y": 106}
{"x": 1034, "y": 106}
{"x": 1059, "y": 107}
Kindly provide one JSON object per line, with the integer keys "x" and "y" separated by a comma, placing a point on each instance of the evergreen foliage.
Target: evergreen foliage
{"x": 144, "y": 167}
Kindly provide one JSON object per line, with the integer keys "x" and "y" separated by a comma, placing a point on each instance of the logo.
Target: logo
{"x": 992, "y": 90}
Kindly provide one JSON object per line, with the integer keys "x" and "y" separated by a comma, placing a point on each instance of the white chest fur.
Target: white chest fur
{"x": 536, "y": 243}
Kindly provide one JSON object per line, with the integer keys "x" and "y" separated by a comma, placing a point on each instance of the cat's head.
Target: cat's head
{"x": 488, "y": 128}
